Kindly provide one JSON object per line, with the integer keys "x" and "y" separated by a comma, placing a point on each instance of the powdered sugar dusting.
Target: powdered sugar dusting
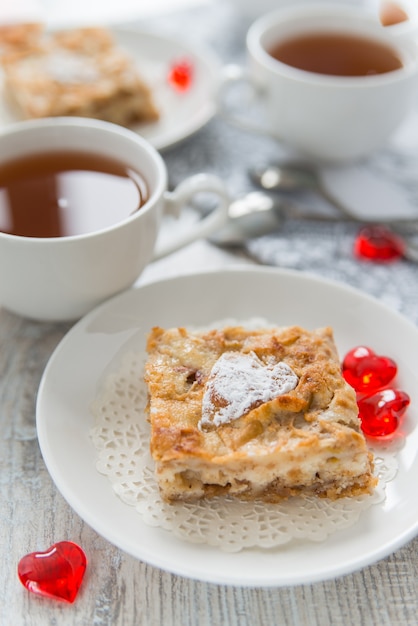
{"x": 70, "y": 68}
{"x": 240, "y": 382}
{"x": 121, "y": 436}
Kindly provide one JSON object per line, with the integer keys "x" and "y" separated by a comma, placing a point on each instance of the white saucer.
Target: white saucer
{"x": 182, "y": 114}
{"x": 74, "y": 371}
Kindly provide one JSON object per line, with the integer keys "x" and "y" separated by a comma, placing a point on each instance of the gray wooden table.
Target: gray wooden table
{"x": 119, "y": 590}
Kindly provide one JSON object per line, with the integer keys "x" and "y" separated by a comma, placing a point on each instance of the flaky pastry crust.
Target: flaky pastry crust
{"x": 305, "y": 441}
{"x": 77, "y": 72}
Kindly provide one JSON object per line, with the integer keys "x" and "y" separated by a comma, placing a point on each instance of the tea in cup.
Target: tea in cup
{"x": 81, "y": 205}
{"x": 331, "y": 81}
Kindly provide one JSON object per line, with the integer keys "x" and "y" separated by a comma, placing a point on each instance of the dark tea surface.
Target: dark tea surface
{"x": 337, "y": 54}
{"x": 57, "y": 194}
{"x": 391, "y": 13}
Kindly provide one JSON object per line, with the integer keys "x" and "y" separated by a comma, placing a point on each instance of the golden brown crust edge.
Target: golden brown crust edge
{"x": 317, "y": 419}
{"x": 76, "y": 72}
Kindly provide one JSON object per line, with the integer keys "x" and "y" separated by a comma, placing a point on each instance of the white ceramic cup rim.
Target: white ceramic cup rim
{"x": 265, "y": 27}
{"x": 59, "y": 123}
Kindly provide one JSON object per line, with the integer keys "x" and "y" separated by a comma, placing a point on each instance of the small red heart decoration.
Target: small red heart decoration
{"x": 366, "y": 371}
{"x": 378, "y": 243}
{"x": 180, "y": 76}
{"x": 380, "y": 413}
{"x": 56, "y": 573}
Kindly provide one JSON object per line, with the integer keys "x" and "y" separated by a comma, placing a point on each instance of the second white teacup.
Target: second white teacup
{"x": 49, "y": 275}
{"x": 327, "y": 117}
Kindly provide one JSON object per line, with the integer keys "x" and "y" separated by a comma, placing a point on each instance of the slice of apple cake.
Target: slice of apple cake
{"x": 257, "y": 414}
{"x": 77, "y": 72}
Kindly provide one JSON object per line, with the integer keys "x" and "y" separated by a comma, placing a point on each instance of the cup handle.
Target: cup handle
{"x": 231, "y": 76}
{"x": 175, "y": 200}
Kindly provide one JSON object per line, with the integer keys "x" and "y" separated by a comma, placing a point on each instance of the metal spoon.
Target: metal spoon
{"x": 298, "y": 176}
{"x": 257, "y": 213}
{"x": 293, "y": 176}
{"x": 252, "y": 215}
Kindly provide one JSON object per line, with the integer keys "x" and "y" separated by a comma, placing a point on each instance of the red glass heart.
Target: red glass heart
{"x": 56, "y": 573}
{"x": 180, "y": 75}
{"x": 380, "y": 413}
{"x": 378, "y": 243}
{"x": 366, "y": 371}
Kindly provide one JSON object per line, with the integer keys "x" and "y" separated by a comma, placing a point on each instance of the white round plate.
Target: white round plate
{"x": 61, "y": 13}
{"x": 181, "y": 113}
{"x": 72, "y": 375}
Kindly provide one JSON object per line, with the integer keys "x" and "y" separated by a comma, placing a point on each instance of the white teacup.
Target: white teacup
{"x": 324, "y": 117}
{"x": 62, "y": 278}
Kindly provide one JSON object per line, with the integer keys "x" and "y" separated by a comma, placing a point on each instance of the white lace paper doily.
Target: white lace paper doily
{"x": 121, "y": 438}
